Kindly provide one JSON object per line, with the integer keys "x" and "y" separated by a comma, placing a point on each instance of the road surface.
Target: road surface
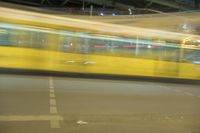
{"x": 37, "y": 104}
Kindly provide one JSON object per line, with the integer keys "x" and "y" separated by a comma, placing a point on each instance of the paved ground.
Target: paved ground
{"x": 33, "y": 104}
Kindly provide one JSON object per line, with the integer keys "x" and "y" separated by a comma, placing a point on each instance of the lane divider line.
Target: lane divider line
{"x": 52, "y": 91}
{"x": 53, "y": 110}
{"x": 52, "y": 104}
{"x": 52, "y": 95}
{"x": 55, "y": 124}
{"x": 51, "y": 87}
{"x": 5, "y": 118}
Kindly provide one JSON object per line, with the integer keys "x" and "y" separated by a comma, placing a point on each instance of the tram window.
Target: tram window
{"x": 191, "y": 56}
{"x": 98, "y": 46}
{"x": 13, "y": 37}
{"x": 4, "y": 37}
{"x": 26, "y": 38}
{"x": 37, "y": 40}
{"x": 170, "y": 54}
{"x": 140, "y": 48}
{"x": 8, "y": 37}
{"x": 17, "y": 38}
{"x": 104, "y": 47}
{"x": 85, "y": 46}
{"x": 69, "y": 44}
{"x": 118, "y": 48}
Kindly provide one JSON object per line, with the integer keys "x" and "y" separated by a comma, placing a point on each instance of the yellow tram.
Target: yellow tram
{"x": 38, "y": 41}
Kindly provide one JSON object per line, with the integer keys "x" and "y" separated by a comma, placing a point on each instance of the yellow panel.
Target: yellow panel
{"x": 25, "y": 58}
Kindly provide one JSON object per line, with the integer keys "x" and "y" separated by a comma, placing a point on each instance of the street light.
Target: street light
{"x": 83, "y": 8}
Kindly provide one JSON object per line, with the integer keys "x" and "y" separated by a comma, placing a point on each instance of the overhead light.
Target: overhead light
{"x": 101, "y": 14}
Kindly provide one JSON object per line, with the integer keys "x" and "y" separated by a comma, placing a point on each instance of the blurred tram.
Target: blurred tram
{"x": 38, "y": 41}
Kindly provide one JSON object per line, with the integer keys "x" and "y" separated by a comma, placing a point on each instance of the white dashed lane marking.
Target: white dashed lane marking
{"x": 53, "y": 110}
{"x": 52, "y": 104}
{"x": 51, "y": 87}
{"x": 51, "y": 90}
{"x": 30, "y": 118}
{"x": 55, "y": 124}
{"x": 52, "y": 95}
{"x": 54, "y": 118}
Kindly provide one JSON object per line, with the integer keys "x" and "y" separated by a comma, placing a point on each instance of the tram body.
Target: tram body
{"x": 36, "y": 41}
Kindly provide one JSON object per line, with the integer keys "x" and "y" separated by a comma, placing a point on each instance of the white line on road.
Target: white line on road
{"x": 52, "y": 91}
{"x": 53, "y": 107}
{"x": 52, "y": 102}
{"x": 53, "y": 110}
{"x": 51, "y": 87}
{"x": 30, "y": 118}
{"x": 55, "y": 124}
{"x": 52, "y": 95}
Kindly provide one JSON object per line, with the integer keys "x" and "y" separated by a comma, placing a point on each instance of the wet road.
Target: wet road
{"x": 73, "y": 105}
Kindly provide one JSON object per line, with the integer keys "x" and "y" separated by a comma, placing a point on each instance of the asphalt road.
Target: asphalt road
{"x": 35, "y": 104}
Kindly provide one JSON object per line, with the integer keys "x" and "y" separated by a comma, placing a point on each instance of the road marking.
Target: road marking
{"x": 51, "y": 87}
{"x": 52, "y": 105}
{"x": 55, "y": 124}
{"x": 80, "y": 122}
{"x": 52, "y": 102}
{"x": 52, "y": 91}
{"x": 188, "y": 93}
{"x": 53, "y": 110}
{"x": 5, "y": 118}
{"x": 52, "y": 95}
{"x": 51, "y": 82}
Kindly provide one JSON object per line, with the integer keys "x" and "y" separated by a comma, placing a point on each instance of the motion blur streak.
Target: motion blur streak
{"x": 37, "y": 41}
{"x": 7, "y": 13}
